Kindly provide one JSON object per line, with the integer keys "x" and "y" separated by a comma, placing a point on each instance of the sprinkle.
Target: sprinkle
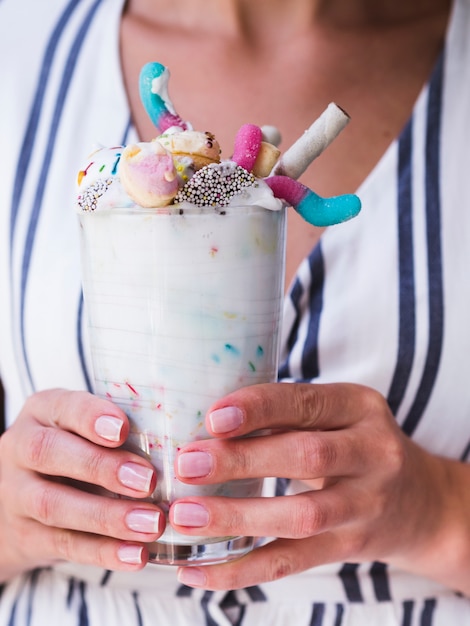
{"x": 215, "y": 185}
{"x": 131, "y": 388}
{"x": 88, "y": 199}
{"x": 251, "y": 366}
{"x": 230, "y": 348}
{"x": 83, "y": 173}
{"x": 116, "y": 162}
{"x": 259, "y": 351}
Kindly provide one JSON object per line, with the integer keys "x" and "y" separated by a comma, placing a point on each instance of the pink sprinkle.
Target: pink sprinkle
{"x": 132, "y": 388}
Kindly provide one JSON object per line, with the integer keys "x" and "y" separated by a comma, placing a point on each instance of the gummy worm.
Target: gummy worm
{"x": 153, "y": 87}
{"x": 312, "y": 207}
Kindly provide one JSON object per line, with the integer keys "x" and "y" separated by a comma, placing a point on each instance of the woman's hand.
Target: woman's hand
{"x": 370, "y": 492}
{"x": 59, "y": 473}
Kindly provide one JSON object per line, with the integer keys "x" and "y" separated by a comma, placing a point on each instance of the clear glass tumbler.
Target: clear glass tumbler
{"x": 183, "y": 307}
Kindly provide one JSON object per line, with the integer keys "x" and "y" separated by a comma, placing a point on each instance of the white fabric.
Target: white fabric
{"x": 47, "y": 126}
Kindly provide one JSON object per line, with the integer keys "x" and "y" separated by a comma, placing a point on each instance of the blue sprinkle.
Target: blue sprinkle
{"x": 118, "y": 158}
{"x": 232, "y": 349}
{"x": 259, "y": 351}
{"x": 215, "y": 358}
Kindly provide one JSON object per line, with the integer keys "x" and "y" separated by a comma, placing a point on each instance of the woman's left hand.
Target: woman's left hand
{"x": 370, "y": 492}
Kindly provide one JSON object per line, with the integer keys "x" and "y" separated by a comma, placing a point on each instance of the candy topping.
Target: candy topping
{"x": 88, "y": 200}
{"x": 154, "y": 95}
{"x": 182, "y": 166}
{"x": 215, "y": 184}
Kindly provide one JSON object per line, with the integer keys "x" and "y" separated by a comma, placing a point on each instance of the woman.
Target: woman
{"x": 378, "y": 531}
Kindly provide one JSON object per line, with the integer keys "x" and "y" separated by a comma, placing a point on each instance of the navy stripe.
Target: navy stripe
{"x": 80, "y": 346}
{"x": 310, "y": 365}
{"x": 204, "y": 604}
{"x": 466, "y": 453}
{"x": 241, "y": 616}
{"x": 83, "y": 609}
{"x": 135, "y": 596}
{"x": 184, "y": 591}
{"x": 407, "y": 319}
{"x": 12, "y": 618}
{"x": 31, "y": 129}
{"x": 408, "y": 607}
{"x": 105, "y": 578}
{"x": 230, "y": 602}
{"x": 295, "y": 296}
{"x": 350, "y": 580}
{"x": 70, "y": 592}
{"x": 318, "y": 613}
{"x": 427, "y": 614}
{"x": 433, "y": 233}
{"x": 256, "y": 594}
{"x": 34, "y": 218}
{"x": 281, "y": 486}
{"x": 33, "y": 582}
{"x": 378, "y": 571}
{"x": 339, "y": 614}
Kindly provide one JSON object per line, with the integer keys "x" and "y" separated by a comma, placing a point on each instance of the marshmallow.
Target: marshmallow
{"x": 148, "y": 174}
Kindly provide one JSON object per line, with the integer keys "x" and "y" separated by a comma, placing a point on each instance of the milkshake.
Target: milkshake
{"x": 183, "y": 277}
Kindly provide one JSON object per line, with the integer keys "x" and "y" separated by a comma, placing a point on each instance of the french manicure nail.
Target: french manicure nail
{"x": 191, "y": 576}
{"x": 225, "y": 420}
{"x": 143, "y": 521}
{"x": 109, "y": 427}
{"x": 135, "y": 476}
{"x": 190, "y": 514}
{"x": 130, "y": 554}
{"x": 194, "y": 464}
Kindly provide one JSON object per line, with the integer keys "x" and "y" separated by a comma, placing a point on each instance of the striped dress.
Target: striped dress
{"x": 383, "y": 301}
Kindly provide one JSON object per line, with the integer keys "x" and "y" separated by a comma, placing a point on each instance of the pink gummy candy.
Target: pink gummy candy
{"x": 247, "y": 145}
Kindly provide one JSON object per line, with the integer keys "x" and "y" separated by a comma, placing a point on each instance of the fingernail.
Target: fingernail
{"x": 192, "y": 576}
{"x": 143, "y": 521}
{"x": 135, "y": 476}
{"x": 189, "y": 514}
{"x": 130, "y": 554}
{"x": 226, "y": 419}
{"x": 194, "y": 464}
{"x": 109, "y": 427}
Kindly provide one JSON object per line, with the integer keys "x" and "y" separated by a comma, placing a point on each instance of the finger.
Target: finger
{"x": 301, "y": 406}
{"x": 293, "y": 517}
{"x": 49, "y": 451}
{"x": 80, "y": 412}
{"x": 280, "y": 558}
{"x": 62, "y": 506}
{"x": 297, "y": 455}
{"x": 48, "y": 545}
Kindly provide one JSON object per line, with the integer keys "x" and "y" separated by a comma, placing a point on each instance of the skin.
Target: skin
{"x": 368, "y": 488}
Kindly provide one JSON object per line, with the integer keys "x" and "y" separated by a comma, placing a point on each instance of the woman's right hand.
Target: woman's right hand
{"x": 61, "y": 448}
